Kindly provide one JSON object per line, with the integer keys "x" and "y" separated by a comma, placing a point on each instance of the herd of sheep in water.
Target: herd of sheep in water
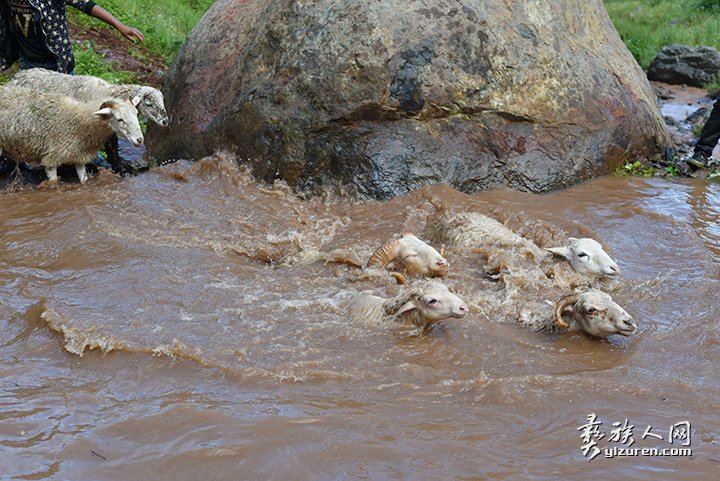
{"x": 51, "y": 119}
{"x": 428, "y": 301}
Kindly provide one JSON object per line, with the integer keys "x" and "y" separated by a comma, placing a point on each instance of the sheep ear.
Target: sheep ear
{"x": 561, "y": 251}
{"x": 407, "y": 307}
{"x": 104, "y": 112}
{"x": 136, "y": 100}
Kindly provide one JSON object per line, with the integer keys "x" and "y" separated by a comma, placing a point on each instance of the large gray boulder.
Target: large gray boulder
{"x": 383, "y": 96}
{"x": 681, "y": 64}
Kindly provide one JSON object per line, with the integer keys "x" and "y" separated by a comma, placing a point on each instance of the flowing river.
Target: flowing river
{"x": 189, "y": 324}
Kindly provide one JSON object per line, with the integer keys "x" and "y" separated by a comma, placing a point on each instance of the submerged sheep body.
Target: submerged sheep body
{"x": 474, "y": 230}
{"x": 422, "y": 305}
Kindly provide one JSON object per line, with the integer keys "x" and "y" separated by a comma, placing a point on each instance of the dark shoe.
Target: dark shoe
{"x": 697, "y": 161}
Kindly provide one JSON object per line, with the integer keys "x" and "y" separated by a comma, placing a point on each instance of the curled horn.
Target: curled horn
{"x": 560, "y": 306}
{"x": 399, "y": 277}
{"x": 385, "y": 254}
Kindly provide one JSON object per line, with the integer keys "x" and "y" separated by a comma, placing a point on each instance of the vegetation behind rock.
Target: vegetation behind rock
{"x": 648, "y": 25}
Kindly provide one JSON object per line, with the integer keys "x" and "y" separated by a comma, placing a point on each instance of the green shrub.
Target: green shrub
{"x": 636, "y": 168}
{"x": 648, "y": 25}
{"x": 708, "y": 4}
{"x": 713, "y": 87}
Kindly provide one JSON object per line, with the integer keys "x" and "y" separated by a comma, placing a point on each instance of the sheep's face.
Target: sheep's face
{"x": 598, "y": 315}
{"x": 122, "y": 118}
{"x": 151, "y": 104}
{"x": 434, "y": 302}
{"x": 420, "y": 259}
{"x": 587, "y": 256}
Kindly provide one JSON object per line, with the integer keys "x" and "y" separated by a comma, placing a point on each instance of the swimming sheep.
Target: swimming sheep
{"x": 52, "y": 129}
{"x": 593, "y": 312}
{"x": 475, "y": 230}
{"x": 422, "y": 305}
{"x": 148, "y": 100}
{"x": 413, "y": 255}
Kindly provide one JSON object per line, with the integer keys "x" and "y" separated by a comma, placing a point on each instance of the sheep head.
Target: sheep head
{"x": 150, "y": 102}
{"x": 587, "y": 256}
{"x": 417, "y": 257}
{"x": 595, "y": 313}
{"x": 122, "y": 118}
{"x": 430, "y": 302}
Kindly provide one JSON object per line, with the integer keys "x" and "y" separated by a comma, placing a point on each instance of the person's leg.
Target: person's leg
{"x": 708, "y": 139}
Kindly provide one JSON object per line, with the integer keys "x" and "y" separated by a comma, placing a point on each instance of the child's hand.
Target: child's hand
{"x": 131, "y": 33}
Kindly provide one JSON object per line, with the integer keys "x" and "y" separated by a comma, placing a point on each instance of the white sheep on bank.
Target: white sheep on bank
{"x": 413, "y": 255}
{"x": 148, "y": 100}
{"x": 593, "y": 311}
{"x": 50, "y": 129}
{"x": 422, "y": 305}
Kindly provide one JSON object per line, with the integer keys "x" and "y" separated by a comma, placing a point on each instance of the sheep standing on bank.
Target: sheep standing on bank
{"x": 50, "y": 129}
{"x": 593, "y": 312}
{"x": 148, "y": 100}
{"x": 413, "y": 255}
{"x": 422, "y": 305}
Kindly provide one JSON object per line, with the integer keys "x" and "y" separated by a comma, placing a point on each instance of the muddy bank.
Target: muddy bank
{"x": 208, "y": 311}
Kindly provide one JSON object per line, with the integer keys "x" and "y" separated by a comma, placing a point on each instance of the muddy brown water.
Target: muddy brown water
{"x": 188, "y": 324}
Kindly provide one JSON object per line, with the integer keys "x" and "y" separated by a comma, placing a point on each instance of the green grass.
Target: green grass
{"x": 647, "y": 25}
{"x": 89, "y": 61}
{"x": 714, "y": 86}
{"x": 165, "y": 23}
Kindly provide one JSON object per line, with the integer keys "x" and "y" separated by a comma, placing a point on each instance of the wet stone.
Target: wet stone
{"x": 379, "y": 98}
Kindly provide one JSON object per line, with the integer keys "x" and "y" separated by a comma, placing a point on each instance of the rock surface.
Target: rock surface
{"x": 681, "y": 64}
{"x": 385, "y": 96}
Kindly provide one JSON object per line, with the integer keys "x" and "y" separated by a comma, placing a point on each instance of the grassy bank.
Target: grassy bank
{"x": 165, "y": 23}
{"x": 647, "y": 25}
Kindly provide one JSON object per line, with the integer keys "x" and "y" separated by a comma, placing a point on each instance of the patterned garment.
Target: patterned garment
{"x": 26, "y": 26}
{"x": 51, "y": 18}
